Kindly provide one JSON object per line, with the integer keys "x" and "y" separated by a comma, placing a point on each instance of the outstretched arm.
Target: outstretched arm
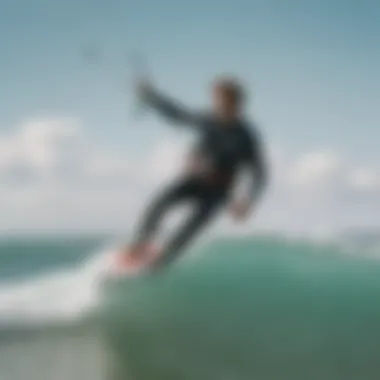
{"x": 170, "y": 108}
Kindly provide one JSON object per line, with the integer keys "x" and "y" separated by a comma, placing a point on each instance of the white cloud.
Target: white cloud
{"x": 42, "y": 145}
{"x": 53, "y": 176}
{"x": 316, "y": 170}
{"x": 165, "y": 159}
{"x": 323, "y": 190}
{"x": 365, "y": 180}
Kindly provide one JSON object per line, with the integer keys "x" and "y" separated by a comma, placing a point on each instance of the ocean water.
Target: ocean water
{"x": 265, "y": 308}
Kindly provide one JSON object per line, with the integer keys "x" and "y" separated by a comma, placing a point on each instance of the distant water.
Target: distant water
{"x": 262, "y": 308}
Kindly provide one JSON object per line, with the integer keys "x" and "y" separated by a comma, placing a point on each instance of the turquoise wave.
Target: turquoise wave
{"x": 236, "y": 309}
{"x": 253, "y": 309}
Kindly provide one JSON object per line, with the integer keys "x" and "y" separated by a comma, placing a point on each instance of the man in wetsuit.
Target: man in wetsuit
{"x": 226, "y": 145}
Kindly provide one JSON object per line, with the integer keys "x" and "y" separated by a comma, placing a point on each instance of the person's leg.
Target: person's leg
{"x": 157, "y": 210}
{"x": 204, "y": 210}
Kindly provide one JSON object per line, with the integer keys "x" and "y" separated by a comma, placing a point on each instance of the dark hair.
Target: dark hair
{"x": 232, "y": 86}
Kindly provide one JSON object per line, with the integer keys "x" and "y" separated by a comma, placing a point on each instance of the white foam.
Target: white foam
{"x": 59, "y": 296}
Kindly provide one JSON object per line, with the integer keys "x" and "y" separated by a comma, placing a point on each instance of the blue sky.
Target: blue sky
{"x": 313, "y": 66}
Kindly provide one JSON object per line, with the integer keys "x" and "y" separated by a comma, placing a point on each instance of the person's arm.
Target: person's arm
{"x": 171, "y": 109}
{"x": 257, "y": 166}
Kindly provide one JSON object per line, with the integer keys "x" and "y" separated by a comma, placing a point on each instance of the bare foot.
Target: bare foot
{"x": 138, "y": 251}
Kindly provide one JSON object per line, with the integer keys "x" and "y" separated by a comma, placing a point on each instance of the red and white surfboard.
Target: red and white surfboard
{"x": 123, "y": 263}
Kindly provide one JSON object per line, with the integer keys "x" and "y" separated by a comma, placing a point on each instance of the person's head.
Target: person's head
{"x": 228, "y": 97}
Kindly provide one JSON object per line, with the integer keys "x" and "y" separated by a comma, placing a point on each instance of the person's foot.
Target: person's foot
{"x": 139, "y": 251}
{"x": 129, "y": 256}
{"x": 141, "y": 254}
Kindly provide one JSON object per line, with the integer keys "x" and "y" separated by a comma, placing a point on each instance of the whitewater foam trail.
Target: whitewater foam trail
{"x": 65, "y": 296}
{"x": 62, "y": 296}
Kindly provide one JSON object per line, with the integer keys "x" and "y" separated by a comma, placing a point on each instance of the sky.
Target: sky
{"x": 76, "y": 153}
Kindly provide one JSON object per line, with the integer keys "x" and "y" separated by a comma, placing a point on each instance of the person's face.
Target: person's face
{"x": 224, "y": 104}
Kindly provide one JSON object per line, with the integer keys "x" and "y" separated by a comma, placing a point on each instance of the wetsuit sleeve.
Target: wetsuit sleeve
{"x": 256, "y": 163}
{"x": 170, "y": 109}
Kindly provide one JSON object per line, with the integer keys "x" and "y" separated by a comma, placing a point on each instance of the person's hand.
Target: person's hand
{"x": 143, "y": 87}
{"x": 240, "y": 209}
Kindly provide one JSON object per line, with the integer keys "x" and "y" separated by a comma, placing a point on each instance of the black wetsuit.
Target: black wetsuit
{"x": 227, "y": 149}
